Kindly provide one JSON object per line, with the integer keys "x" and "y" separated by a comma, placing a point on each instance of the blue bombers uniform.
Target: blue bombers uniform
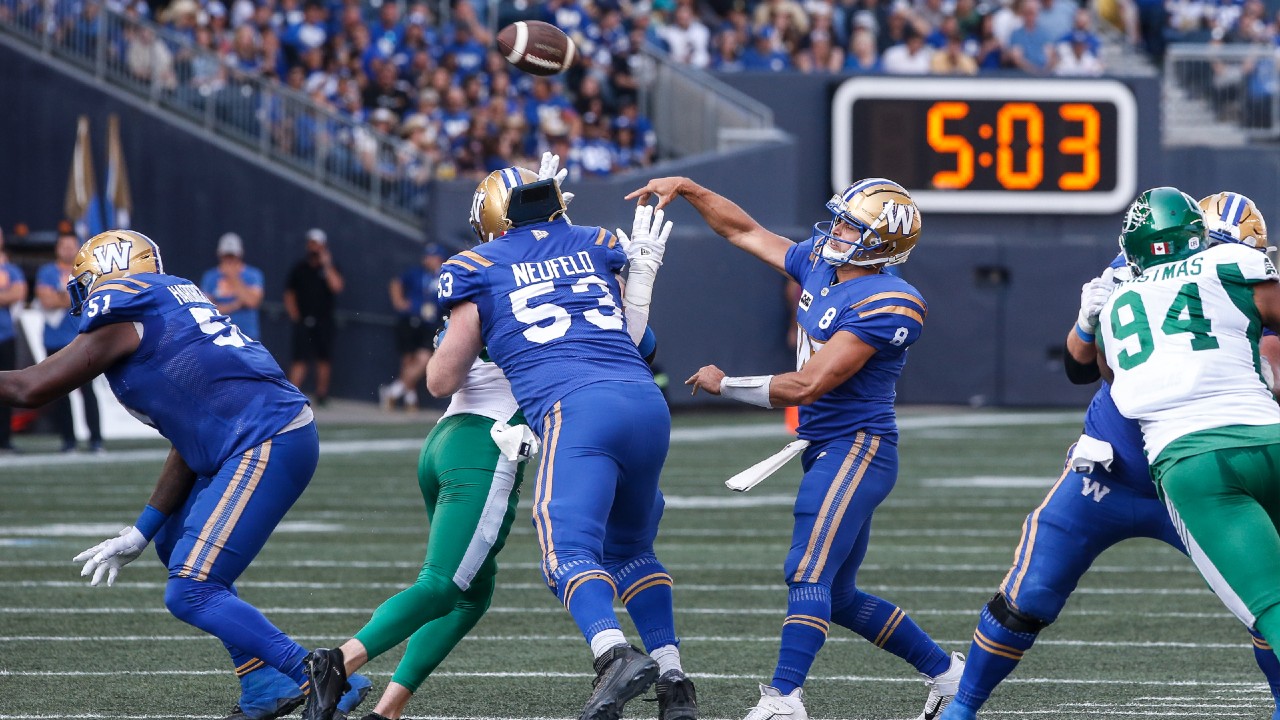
{"x": 1084, "y": 514}
{"x": 850, "y": 467}
{"x": 222, "y": 401}
{"x": 551, "y": 318}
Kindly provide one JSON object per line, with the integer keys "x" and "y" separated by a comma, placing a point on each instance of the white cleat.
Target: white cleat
{"x": 942, "y": 688}
{"x": 774, "y": 705}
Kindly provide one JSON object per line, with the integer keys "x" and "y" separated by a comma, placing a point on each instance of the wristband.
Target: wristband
{"x": 150, "y": 522}
{"x": 753, "y": 389}
{"x": 1088, "y": 337}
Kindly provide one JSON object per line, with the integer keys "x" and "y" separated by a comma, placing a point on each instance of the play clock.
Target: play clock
{"x": 990, "y": 145}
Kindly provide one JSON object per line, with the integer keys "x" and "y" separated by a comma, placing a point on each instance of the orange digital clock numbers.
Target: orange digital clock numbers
{"x": 1008, "y": 158}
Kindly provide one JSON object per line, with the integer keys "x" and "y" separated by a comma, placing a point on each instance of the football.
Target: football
{"x": 536, "y": 47}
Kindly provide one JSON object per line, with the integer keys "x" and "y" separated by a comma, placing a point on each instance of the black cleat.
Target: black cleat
{"x": 375, "y": 716}
{"x": 677, "y": 699}
{"x": 328, "y": 683}
{"x": 284, "y": 708}
{"x": 621, "y": 674}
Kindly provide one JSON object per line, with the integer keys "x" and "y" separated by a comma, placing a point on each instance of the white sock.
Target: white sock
{"x": 410, "y": 398}
{"x": 395, "y": 389}
{"x": 668, "y": 659}
{"x": 605, "y": 639}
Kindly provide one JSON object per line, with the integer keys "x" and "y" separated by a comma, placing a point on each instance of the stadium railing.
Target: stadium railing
{"x": 693, "y": 112}
{"x": 1221, "y": 94}
{"x": 270, "y": 119}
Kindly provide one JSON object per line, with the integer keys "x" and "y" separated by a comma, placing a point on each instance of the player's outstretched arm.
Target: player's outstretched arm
{"x": 722, "y": 215}
{"x": 836, "y": 362}
{"x": 459, "y": 348}
{"x": 85, "y": 358}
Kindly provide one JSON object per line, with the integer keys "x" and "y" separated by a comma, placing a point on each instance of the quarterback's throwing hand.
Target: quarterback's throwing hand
{"x": 666, "y": 189}
{"x": 107, "y": 557}
{"x": 707, "y": 378}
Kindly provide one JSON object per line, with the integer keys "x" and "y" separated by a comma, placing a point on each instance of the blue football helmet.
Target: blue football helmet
{"x": 881, "y": 213}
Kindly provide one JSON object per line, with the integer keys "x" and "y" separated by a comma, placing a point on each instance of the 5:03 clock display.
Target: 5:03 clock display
{"x": 990, "y": 146}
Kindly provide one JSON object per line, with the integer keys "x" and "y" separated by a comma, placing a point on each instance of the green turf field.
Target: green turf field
{"x": 1141, "y": 638}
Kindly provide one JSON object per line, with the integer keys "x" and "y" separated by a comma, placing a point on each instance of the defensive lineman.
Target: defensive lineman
{"x": 1179, "y": 343}
{"x": 244, "y": 448}
{"x": 1104, "y": 496}
{"x": 856, "y": 323}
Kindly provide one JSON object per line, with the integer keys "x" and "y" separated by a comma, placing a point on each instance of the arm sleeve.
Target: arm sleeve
{"x": 253, "y": 277}
{"x": 209, "y": 282}
{"x": 888, "y": 323}
{"x": 1081, "y": 373}
{"x": 799, "y": 260}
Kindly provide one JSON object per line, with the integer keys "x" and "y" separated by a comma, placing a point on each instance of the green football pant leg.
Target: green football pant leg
{"x": 432, "y": 644}
{"x": 1226, "y": 506}
{"x": 464, "y": 484}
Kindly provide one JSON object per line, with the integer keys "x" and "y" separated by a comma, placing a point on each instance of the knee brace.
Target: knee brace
{"x": 1013, "y": 619}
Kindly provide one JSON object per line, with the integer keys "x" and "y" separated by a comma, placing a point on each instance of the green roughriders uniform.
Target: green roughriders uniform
{"x": 1182, "y": 340}
{"x": 471, "y": 488}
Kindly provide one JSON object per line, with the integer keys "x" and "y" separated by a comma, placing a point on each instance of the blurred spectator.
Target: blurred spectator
{"x": 1030, "y": 46}
{"x": 234, "y": 287}
{"x": 149, "y": 59}
{"x": 688, "y": 39}
{"x": 819, "y": 55}
{"x": 1074, "y": 58}
{"x": 310, "y": 299}
{"x": 862, "y": 51}
{"x": 952, "y": 59}
{"x": 413, "y": 296}
{"x": 596, "y": 152}
{"x": 990, "y": 53}
{"x": 726, "y": 54}
{"x": 1057, "y": 17}
{"x": 765, "y": 54}
{"x": 60, "y": 328}
{"x": 910, "y": 57}
{"x": 13, "y": 289}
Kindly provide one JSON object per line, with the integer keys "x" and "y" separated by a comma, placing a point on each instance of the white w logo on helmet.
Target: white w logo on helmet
{"x": 1138, "y": 214}
{"x": 113, "y": 257}
{"x": 898, "y": 218}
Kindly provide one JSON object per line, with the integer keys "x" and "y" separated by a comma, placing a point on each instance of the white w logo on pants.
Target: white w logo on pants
{"x": 113, "y": 257}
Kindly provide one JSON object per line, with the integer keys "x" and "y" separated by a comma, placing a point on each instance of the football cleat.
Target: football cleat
{"x": 328, "y": 683}
{"x": 942, "y": 688}
{"x": 622, "y": 673}
{"x": 266, "y": 694}
{"x": 677, "y": 698}
{"x": 375, "y": 716}
{"x": 774, "y": 705}
{"x": 359, "y": 687}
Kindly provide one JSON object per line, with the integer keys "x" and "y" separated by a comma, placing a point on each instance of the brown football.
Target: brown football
{"x": 536, "y": 47}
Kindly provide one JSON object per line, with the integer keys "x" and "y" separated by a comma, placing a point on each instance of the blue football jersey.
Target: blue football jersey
{"x": 207, "y": 388}
{"x": 883, "y": 311}
{"x": 550, "y": 309}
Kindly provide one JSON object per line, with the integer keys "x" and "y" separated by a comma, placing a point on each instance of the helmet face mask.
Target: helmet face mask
{"x": 107, "y": 256}
{"x": 873, "y": 222}
{"x": 1162, "y": 225}
{"x": 1233, "y": 218}
{"x": 492, "y": 201}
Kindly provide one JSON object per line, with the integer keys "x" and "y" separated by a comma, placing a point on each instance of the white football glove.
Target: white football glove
{"x": 648, "y": 239}
{"x": 1093, "y": 296}
{"x": 550, "y": 170}
{"x": 108, "y": 556}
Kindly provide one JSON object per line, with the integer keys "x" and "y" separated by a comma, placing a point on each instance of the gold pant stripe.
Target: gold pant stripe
{"x": 249, "y": 667}
{"x": 844, "y": 506}
{"x": 1261, "y": 644}
{"x": 1029, "y": 528}
{"x": 188, "y": 565}
{"x": 826, "y": 506}
{"x": 259, "y": 468}
{"x": 645, "y": 583}
{"x": 542, "y": 493}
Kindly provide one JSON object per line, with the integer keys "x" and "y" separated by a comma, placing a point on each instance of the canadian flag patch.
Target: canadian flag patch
{"x": 1160, "y": 248}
